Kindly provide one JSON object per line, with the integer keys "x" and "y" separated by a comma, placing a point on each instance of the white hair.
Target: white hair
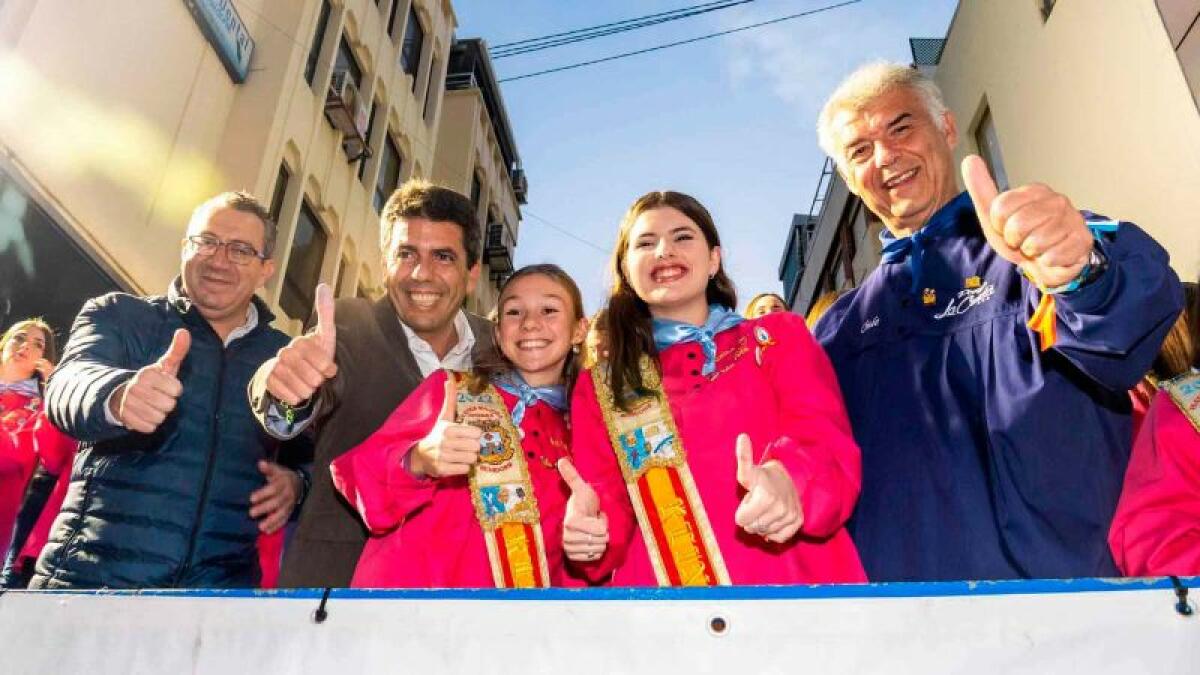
{"x": 869, "y": 82}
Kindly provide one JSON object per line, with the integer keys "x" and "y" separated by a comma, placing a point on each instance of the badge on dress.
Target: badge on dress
{"x": 763, "y": 340}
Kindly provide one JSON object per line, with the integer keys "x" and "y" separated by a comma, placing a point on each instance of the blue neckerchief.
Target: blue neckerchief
{"x": 946, "y": 222}
{"x": 554, "y": 396}
{"x": 28, "y": 388}
{"x": 668, "y": 333}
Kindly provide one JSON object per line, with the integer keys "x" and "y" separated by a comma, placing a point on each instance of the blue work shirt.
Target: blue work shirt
{"x": 984, "y": 457}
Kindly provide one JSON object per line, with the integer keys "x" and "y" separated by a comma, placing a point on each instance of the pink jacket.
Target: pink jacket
{"x": 26, "y": 437}
{"x": 791, "y": 407}
{"x": 1156, "y": 530}
{"x": 424, "y": 533}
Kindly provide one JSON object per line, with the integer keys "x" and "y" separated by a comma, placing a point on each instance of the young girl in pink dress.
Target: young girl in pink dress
{"x": 459, "y": 487}
{"x": 709, "y": 449}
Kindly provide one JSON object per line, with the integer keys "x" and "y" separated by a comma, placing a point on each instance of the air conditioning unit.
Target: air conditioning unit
{"x": 520, "y": 185}
{"x": 346, "y": 112}
{"x": 498, "y": 247}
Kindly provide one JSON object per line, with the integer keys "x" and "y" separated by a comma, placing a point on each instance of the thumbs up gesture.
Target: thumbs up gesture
{"x": 450, "y": 448}
{"x": 585, "y": 526}
{"x": 1032, "y": 226}
{"x": 142, "y": 403}
{"x": 771, "y": 506}
{"x": 298, "y": 370}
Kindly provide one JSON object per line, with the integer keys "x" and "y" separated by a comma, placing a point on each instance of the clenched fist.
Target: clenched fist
{"x": 1032, "y": 226}
{"x": 300, "y": 368}
{"x": 142, "y": 403}
{"x": 450, "y": 448}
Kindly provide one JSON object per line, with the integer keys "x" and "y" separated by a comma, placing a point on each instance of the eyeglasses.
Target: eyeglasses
{"x": 239, "y": 253}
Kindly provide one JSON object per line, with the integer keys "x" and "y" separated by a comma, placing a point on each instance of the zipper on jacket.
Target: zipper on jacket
{"x": 208, "y": 467}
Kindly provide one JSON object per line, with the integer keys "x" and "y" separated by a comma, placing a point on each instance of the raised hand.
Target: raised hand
{"x": 142, "y": 403}
{"x": 450, "y": 448}
{"x": 771, "y": 507}
{"x": 1031, "y": 226}
{"x": 585, "y": 526}
{"x": 272, "y": 504}
{"x": 300, "y": 368}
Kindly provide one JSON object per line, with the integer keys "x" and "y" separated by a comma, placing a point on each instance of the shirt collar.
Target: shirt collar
{"x": 466, "y": 337}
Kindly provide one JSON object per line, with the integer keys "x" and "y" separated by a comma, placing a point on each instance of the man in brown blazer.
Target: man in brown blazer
{"x": 364, "y": 358}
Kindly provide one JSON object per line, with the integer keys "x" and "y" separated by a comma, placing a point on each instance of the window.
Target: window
{"x": 362, "y": 163}
{"x": 314, "y": 51}
{"x": 346, "y": 61}
{"x": 304, "y": 265}
{"x": 42, "y": 271}
{"x": 476, "y": 191}
{"x": 989, "y": 148}
{"x": 277, "y": 196}
{"x": 414, "y": 42}
{"x": 389, "y": 173}
{"x": 431, "y": 90}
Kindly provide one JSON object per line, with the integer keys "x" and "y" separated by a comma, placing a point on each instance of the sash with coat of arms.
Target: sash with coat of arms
{"x": 679, "y": 538}
{"x": 502, "y": 492}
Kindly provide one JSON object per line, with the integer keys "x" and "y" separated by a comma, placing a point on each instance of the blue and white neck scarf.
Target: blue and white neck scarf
{"x": 28, "y": 388}
{"x": 554, "y": 395}
{"x": 946, "y": 222}
{"x": 668, "y": 332}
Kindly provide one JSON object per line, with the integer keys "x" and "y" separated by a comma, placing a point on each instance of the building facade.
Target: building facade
{"x": 121, "y": 116}
{"x": 1117, "y": 130}
{"x": 1090, "y": 98}
{"x": 477, "y": 155}
{"x": 831, "y": 249}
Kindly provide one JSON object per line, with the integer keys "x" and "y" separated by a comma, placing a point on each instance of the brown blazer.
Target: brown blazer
{"x": 376, "y": 371}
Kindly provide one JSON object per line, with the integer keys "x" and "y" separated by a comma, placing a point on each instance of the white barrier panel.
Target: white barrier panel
{"x": 1078, "y": 626}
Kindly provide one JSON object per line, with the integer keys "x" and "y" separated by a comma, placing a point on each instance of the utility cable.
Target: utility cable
{"x": 602, "y": 30}
{"x": 680, "y": 42}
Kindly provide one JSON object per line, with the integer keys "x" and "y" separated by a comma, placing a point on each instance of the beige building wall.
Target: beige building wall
{"x": 122, "y": 117}
{"x": 1092, "y": 102}
{"x": 467, "y": 148}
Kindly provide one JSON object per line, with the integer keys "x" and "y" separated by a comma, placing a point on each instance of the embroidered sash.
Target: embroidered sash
{"x": 1185, "y": 392}
{"x": 675, "y": 527}
{"x": 503, "y": 492}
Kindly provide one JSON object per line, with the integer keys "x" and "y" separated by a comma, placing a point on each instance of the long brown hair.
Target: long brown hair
{"x": 630, "y": 332}
{"x": 496, "y": 363}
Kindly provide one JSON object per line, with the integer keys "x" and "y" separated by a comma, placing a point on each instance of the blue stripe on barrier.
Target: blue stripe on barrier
{"x": 816, "y": 592}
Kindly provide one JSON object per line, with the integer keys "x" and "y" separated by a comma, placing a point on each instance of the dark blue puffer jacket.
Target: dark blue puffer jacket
{"x": 167, "y": 509}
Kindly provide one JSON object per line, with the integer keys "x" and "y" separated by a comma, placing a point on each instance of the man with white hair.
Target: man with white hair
{"x": 985, "y": 363}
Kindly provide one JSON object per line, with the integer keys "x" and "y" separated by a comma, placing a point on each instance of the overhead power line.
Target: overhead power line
{"x": 710, "y": 36}
{"x": 605, "y": 29}
{"x": 565, "y": 232}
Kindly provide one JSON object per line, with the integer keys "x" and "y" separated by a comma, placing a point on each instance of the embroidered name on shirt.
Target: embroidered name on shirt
{"x": 869, "y": 324}
{"x": 967, "y": 299}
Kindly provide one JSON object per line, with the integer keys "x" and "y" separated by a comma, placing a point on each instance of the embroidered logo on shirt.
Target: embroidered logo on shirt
{"x": 869, "y": 324}
{"x": 967, "y": 299}
{"x": 972, "y": 282}
{"x": 929, "y": 297}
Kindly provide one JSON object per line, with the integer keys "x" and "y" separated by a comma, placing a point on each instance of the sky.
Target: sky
{"x": 730, "y": 121}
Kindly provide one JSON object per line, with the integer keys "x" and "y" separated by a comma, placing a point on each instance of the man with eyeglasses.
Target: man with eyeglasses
{"x": 174, "y": 480}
